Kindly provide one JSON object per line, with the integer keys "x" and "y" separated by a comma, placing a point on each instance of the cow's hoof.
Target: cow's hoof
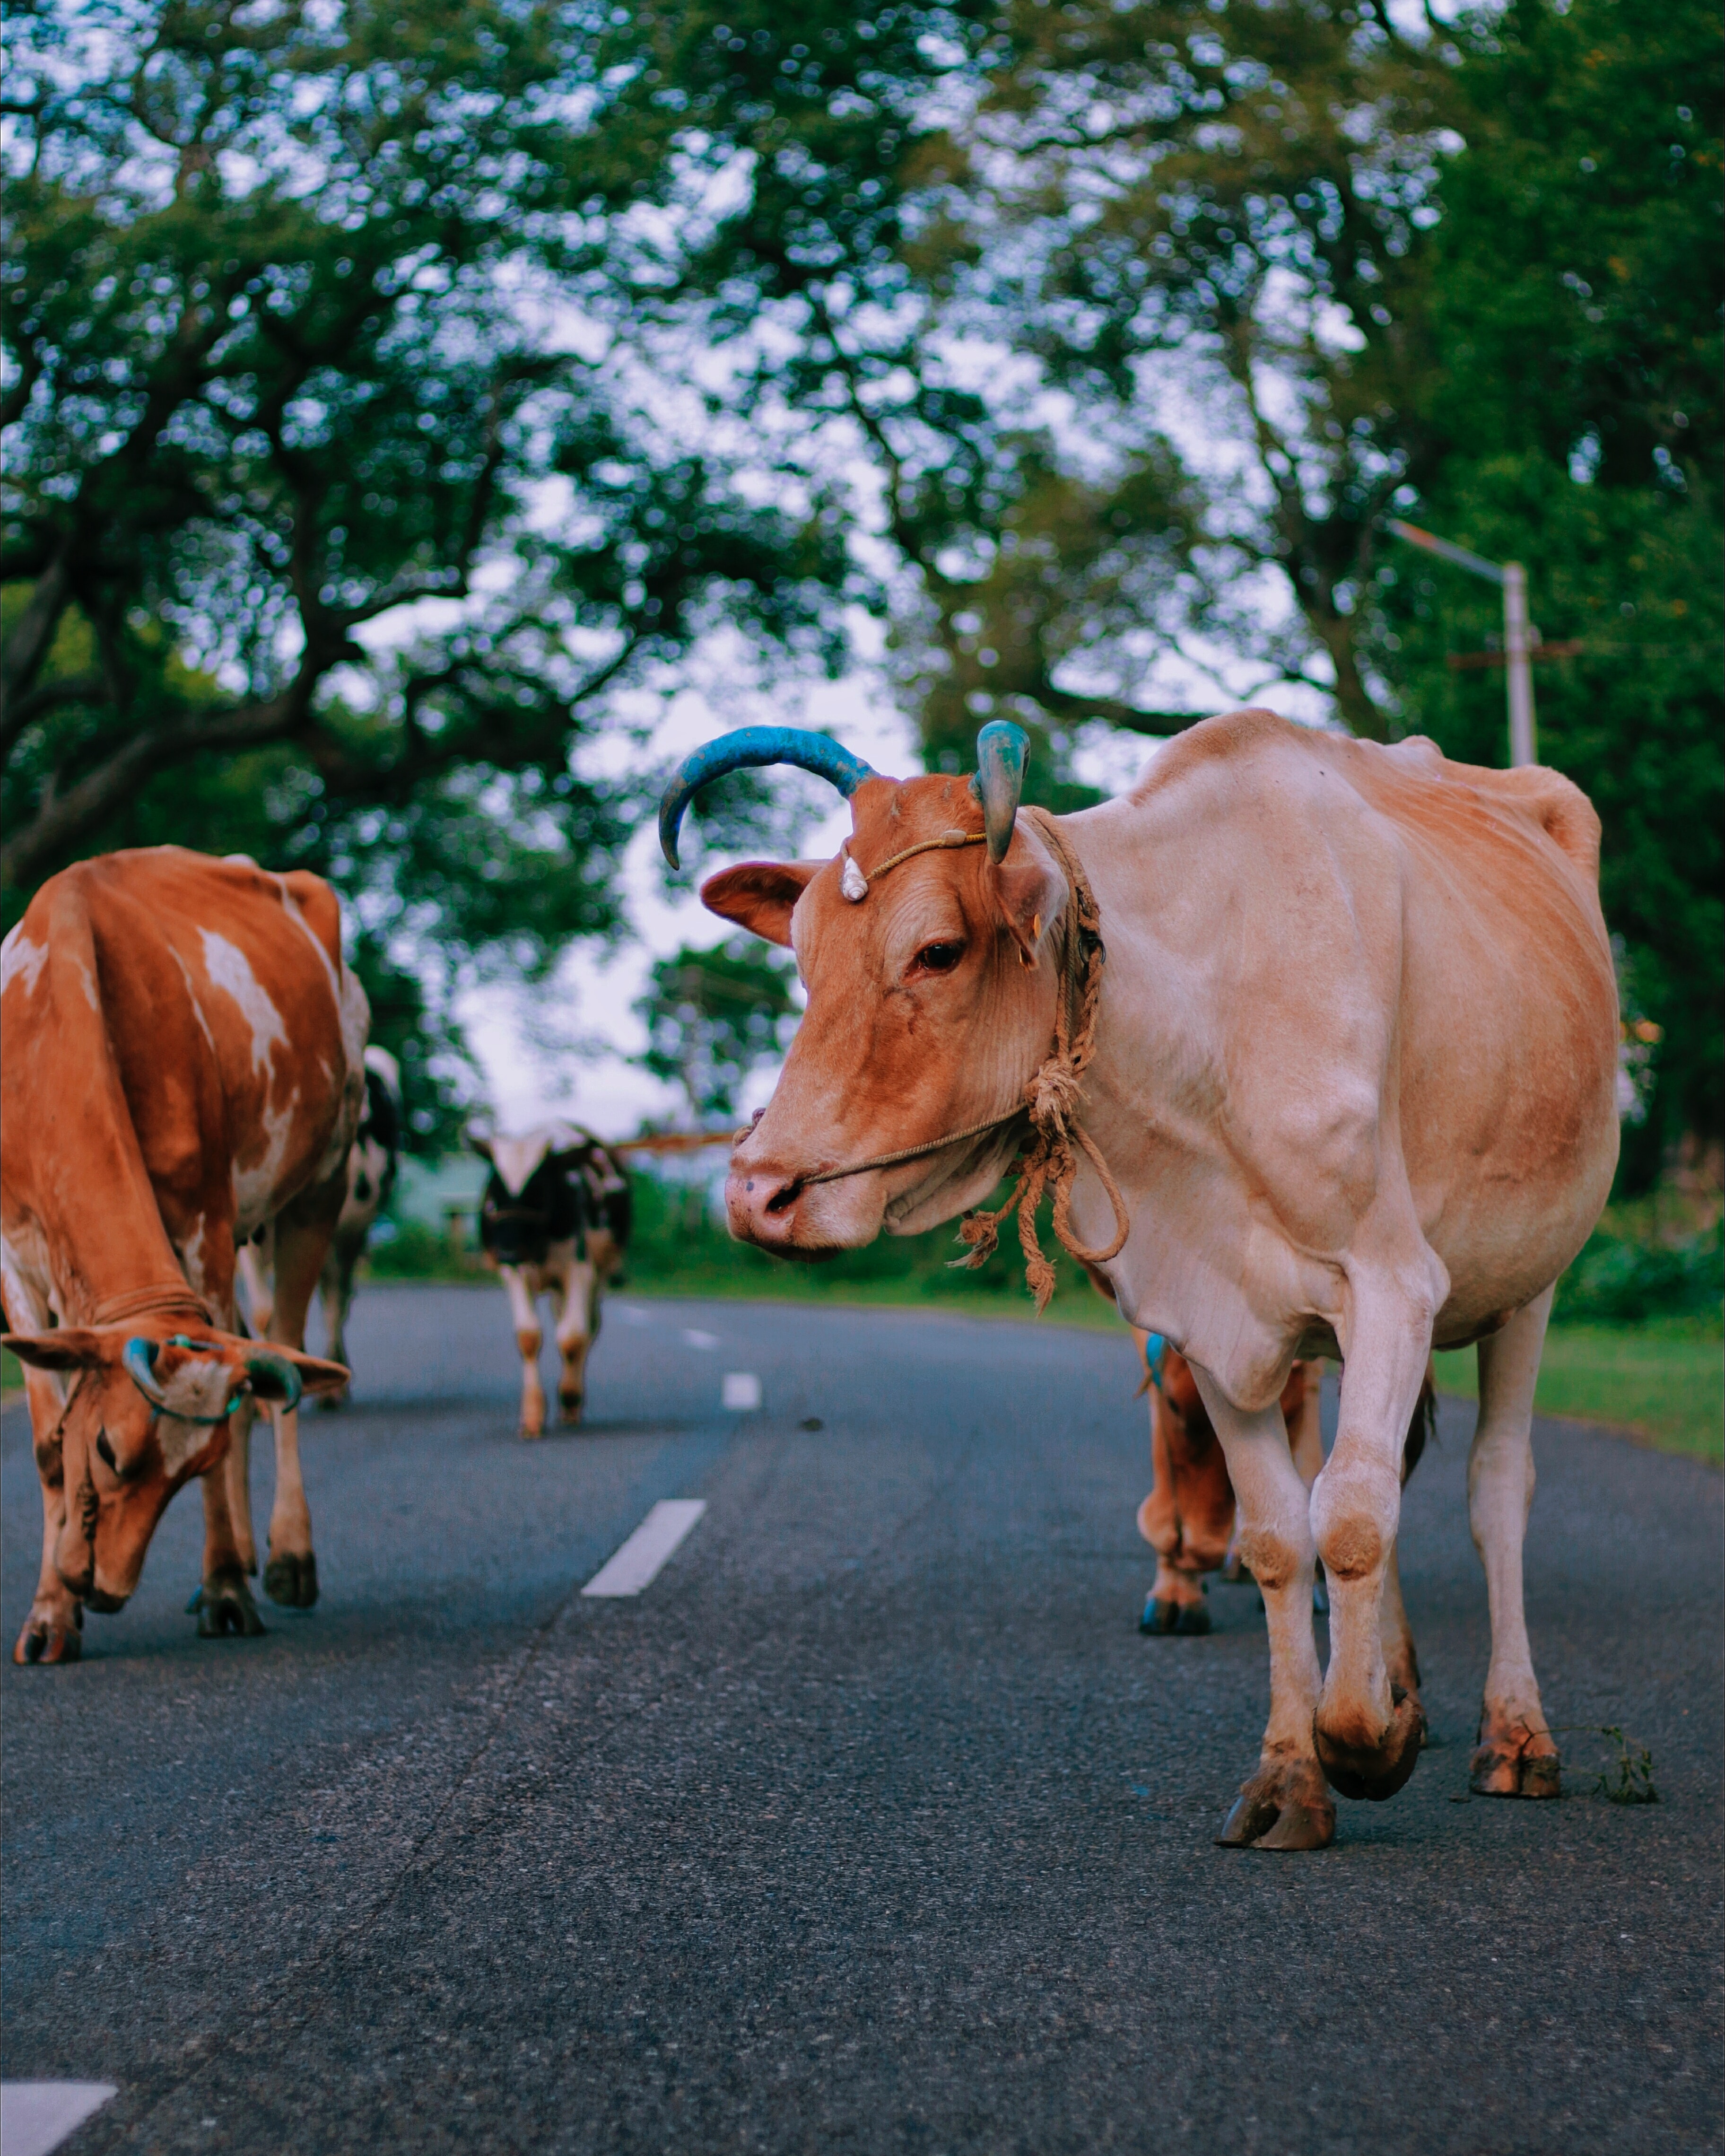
{"x": 1375, "y": 1771}
{"x": 291, "y": 1580}
{"x": 50, "y": 1636}
{"x": 529, "y": 1435}
{"x": 224, "y": 1607}
{"x": 1516, "y": 1762}
{"x": 570, "y": 1406}
{"x": 330, "y": 1402}
{"x": 1284, "y": 1806}
{"x": 1159, "y": 1617}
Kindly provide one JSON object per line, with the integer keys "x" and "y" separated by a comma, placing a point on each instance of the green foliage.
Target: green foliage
{"x": 318, "y": 318}
{"x": 1617, "y": 1280}
{"x": 1576, "y": 427}
{"x": 712, "y": 1016}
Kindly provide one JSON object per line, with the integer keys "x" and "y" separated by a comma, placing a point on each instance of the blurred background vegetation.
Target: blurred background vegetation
{"x": 399, "y": 399}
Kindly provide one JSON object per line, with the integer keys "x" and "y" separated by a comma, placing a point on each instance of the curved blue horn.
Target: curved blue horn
{"x": 750, "y": 747}
{"x": 1002, "y": 752}
{"x": 137, "y": 1358}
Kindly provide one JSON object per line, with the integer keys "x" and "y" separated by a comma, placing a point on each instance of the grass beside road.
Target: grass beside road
{"x": 1664, "y": 1380}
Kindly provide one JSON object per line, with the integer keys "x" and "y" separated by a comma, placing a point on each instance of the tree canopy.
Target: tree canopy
{"x": 401, "y": 398}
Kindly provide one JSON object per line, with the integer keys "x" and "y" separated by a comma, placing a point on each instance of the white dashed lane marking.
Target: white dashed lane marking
{"x": 37, "y": 2115}
{"x": 693, "y": 1336}
{"x": 741, "y": 1390}
{"x": 636, "y": 1565}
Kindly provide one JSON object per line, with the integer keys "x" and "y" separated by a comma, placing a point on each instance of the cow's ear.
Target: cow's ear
{"x": 760, "y": 895}
{"x": 67, "y": 1347}
{"x": 316, "y": 1373}
{"x": 1030, "y": 892}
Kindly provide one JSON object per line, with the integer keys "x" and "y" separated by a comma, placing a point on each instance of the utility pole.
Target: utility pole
{"x": 1523, "y": 748}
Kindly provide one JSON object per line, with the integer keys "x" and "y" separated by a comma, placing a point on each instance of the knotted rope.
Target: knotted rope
{"x": 1052, "y": 1096}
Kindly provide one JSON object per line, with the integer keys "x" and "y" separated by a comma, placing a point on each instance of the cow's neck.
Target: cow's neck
{"x": 107, "y": 1248}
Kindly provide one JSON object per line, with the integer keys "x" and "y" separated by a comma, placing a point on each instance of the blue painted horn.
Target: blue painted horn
{"x": 137, "y": 1358}
{"x": 1002, "y": 752}
{"x": 749, "y": 748}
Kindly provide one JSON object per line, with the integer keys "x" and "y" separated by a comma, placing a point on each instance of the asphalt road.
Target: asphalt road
{"x": 873, "y": 1825}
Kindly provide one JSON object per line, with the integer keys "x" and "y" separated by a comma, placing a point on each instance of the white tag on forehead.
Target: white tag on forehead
{"x": 853, "y": 884}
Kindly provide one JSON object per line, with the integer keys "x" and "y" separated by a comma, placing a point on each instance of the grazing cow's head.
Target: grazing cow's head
{"x": 145, "y": 1412}
{"x": 931, "y": 977}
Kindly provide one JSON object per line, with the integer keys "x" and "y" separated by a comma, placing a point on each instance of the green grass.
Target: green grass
{"x": 1664, "y": 1380}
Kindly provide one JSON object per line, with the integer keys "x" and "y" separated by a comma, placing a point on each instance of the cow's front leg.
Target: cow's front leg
{"x": 577, "y": 1328}
{"x": 52, "y": 1631}
{"x": 237, "y": 1469}
{"x": 1175, "y": 1604}
{"x": 526, "y": 1314}
{"x": 1284, "y": 1804}
{"x": 1370, "y": 1728}
{"x": 1516, "y": 1755}
{"x": 223, "y": 1603}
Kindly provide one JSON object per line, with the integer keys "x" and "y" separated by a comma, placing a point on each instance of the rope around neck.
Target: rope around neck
{"x": 1052, "y": 1096}
{"x": 1051, "y": 1099}
{"x": 163, "y": 1299}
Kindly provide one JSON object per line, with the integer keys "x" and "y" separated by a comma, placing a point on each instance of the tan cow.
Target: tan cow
{"x": 1353, "y": 1073}
{"x": 182, "y": 1062}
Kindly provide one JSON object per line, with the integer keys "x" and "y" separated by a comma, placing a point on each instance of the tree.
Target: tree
{"x": 340, "y": 508}
{"x": 1122, "y": 304}
{"x": 1577, "y": 426}
{"x": 712, "y": 1016}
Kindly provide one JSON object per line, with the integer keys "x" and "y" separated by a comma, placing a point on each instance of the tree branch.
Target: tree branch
{"x": 64, "y": 819}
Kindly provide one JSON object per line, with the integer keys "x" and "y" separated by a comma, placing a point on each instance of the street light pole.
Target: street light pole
{"x": 1522, "y": 749}
{"x": 1513, "y": 579}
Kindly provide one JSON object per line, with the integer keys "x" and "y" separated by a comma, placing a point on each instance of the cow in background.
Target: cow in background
{"x": 182, "y": 1064}
{"x": 554, "y": 1221}
{"x": 1188, "y": 1518}
{"x": 373, "y": 1163}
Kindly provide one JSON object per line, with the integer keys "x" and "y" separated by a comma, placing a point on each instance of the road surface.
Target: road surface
{"x": 872, "y": 1824}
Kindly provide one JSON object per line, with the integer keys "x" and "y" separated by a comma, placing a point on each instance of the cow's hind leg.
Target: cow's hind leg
{"x": 53, "y": 1630}
{"x": 1369, "y": 1729}
{"x": 577, "y": 1328}
{"x": 335, "y": 1291}
{"x": 303, "y": 1232}
{"x": 1284, "y": 1804}
{"x": 223, "y": 1603}
{"x": 1516, "y": 1755}
{"x": 524, "y": 1309}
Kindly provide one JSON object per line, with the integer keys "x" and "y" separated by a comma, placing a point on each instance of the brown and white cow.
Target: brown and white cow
{"x": 1190, "y": 1518}
{"x": 182, "y": 1047}
{"x": 1353, "y": 1074}
{"x": 554, "y": 1220}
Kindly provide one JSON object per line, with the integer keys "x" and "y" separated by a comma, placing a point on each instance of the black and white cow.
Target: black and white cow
{"x": 554, "y": 1220}
{"x": 371, "y": 1165}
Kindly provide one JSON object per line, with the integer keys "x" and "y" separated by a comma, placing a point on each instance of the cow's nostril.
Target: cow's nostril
{"x": 785, "y": 1196}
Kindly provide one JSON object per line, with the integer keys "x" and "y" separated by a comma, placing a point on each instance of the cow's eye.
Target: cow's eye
{"x": 938, "y": 957}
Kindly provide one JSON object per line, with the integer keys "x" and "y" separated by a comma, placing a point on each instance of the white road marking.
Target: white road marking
{"x": 636, "y": 1565}
{"x": 37, "y": 2115}
{"x": 631, "y": 1313}
{"x": 741, "y": 1390}
{"x": 694, "y": 1338}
